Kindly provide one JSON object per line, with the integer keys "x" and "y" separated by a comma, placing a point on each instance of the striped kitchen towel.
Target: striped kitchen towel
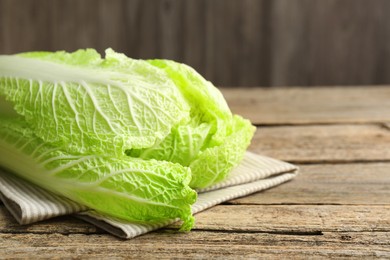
{"x": 29, "y": 203}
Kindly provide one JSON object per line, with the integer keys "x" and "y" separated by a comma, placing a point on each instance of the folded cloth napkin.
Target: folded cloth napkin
{"x": 28, "y": 203}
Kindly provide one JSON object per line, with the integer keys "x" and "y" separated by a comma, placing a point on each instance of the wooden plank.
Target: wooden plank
{"x": 107, "y": 16}
{"x": 285, "y": 219}
{"x": 346, "y": 184}
{"x": 323, "y": 143}
{"x": 171, "y": 26}
{"x": 30, "y": 32}
{"x": 61, "y": 225}
{"x": 296, "y": 218}
{"x": 309, "y": 47}
{"x": 289, "y": 39}
{"x": 201, "y": 244}
{"x": 322, "y": 105}
{"x": 236, "y": 52}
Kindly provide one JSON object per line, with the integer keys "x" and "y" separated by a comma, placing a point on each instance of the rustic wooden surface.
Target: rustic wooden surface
{"x": 338, "y": 206}
{"x": 231, "y": 42}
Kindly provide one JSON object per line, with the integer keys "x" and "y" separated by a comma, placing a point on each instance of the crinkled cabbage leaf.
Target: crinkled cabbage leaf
{"x": 89, "y": 104}
{"x": 213, "y": 142}
{"x": 124, "y": 187}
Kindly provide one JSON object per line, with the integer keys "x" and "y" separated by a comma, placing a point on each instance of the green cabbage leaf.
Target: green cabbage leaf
{"x": 127, "y": 188}
{"x": 89, "y": 104}
{"x": 213, "y": 142}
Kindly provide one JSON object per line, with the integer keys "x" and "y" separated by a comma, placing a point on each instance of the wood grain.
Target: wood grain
{"x": 322, "y": 42}
{"x": 296, "y": 218}
{"x": 326, "y": 231}
{"x": 60, "y": 225}
{"x": 310, "y": 219}
{"x": 321, "y": 105}
{"x": 232, "y": 43}
{"x": 197, "y": 244}
{"x": 327, "y": 184}
{"x": 323, "y": 143}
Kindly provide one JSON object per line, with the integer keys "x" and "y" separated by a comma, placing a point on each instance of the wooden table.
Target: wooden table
{"x": 338, "y": 206}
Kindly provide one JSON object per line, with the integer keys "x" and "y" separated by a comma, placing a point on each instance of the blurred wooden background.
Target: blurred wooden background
{"x": 231, "y": 42}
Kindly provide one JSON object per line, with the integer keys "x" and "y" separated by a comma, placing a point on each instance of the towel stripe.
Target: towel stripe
{"x": 29, "y": 203}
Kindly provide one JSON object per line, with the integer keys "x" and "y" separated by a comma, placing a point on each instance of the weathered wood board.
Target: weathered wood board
{"x": 322, "y": 105}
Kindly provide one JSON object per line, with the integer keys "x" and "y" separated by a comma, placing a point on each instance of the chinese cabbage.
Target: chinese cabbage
{"x": 128, "y": 138}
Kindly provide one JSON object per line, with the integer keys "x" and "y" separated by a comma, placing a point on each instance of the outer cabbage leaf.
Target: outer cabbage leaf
{"x": 187, "y": 145}
{"x": 214, "y": 163}
{"x": 206, "y": 101}
{"x": 213, "y": 143}
{"x": 182, "y": 145}
{"x": 127, "y": 188}
{"x": 91, "y": 105}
